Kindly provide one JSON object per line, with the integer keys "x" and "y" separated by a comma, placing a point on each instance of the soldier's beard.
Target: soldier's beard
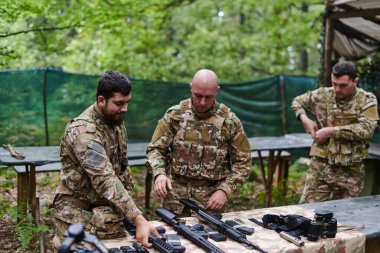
{"x": 113, "y": 118}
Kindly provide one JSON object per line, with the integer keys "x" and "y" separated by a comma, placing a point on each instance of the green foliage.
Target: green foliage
{"x": 166, "y": 40}
{"x": 6, "y": 178}
{"x": 25, "y": 229}
{"x": 5, "y": 206}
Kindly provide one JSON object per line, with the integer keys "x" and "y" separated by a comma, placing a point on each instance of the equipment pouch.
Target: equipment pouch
{"x": 108, "y": 223}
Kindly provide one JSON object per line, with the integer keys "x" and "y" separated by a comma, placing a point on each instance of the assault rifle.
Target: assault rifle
{"x": 187, "y": 231}
{"x": 158, "y": 243}
{"x": 220, "y": 225}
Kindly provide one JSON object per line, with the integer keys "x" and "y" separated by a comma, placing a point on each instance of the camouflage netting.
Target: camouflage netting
{"x": 36, "y": 104}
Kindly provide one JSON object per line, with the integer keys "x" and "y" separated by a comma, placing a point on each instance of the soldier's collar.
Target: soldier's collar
{"x": 341, "y": 100}
{"x": 205, "y": 115}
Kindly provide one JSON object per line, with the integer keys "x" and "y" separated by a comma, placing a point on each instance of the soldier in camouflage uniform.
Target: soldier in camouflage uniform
{"x": 345, "y": 119}
{"x": 95, "y": 180}
{"x": 199, "y": 150}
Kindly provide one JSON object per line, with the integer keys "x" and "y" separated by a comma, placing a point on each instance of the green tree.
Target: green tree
{"x": 163, "y": 39}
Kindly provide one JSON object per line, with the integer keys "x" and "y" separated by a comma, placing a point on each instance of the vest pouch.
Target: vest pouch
{"x": 108, "y": 223}
{"x": 359, "y": 153}
{"x": 194, "y": 160}
{"x": 333, "y": 150}
{"x": 341, "y": 153}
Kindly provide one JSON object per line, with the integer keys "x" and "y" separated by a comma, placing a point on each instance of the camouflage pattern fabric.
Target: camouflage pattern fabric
{"x": 208, "y": 146}
{"x": 95, "y": 176}
{"x": 354, "y": 120}
{"x": 327, "y": 182}
{"x": 347, "y": 239}
{"x": 197, "y": 190}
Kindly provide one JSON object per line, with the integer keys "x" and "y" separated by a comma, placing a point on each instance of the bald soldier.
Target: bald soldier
{"x": 95, "y": 180}
{"x": 199, "y": 150}
{"x": 345, "y": 119}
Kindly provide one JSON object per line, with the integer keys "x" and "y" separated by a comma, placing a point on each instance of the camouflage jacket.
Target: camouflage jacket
{"x": 94, "y": 163}
{"x": 210, "y": 146}
{"x": 354, "y": 120}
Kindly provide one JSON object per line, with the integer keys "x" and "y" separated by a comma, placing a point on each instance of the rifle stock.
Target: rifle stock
{"x": 186, "y": 231}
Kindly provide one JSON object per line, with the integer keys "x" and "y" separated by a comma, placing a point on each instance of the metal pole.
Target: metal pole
{"x": 45, "y": 107}
{"x": 328, "y": 45}
{"x": 283, "y": 106}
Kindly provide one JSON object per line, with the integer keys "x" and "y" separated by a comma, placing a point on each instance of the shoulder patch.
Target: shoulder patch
{"x": 371, "y": 113}
{"x": 95, "y": 155}
{"x": 369, "y": 101}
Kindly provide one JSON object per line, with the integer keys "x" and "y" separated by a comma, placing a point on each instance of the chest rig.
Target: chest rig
{"x": 199, "y": 148}
{"x": 343, "y": 113}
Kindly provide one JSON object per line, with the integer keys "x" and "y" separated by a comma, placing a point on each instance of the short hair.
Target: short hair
{"x": 345, "y": 68}
{"x": 111, "y": 82}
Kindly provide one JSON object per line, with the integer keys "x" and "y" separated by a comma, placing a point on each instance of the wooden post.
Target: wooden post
{"x": 328, "y": 45}
{"x": 284, "y": 112}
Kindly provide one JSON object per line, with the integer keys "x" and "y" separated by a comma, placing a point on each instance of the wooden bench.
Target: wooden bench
{"x": 23, "y": 176}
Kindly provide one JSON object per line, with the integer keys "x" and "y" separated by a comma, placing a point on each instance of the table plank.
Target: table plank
{"x": 269, "y": 240}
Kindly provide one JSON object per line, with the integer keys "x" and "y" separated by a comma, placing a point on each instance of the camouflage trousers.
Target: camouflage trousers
{"x": 197, "y": 190}
{"x": 101, "y": 221}
{"x": 328, "y": 182}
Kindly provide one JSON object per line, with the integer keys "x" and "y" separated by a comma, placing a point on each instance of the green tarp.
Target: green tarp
{"x": 37, "y": 104}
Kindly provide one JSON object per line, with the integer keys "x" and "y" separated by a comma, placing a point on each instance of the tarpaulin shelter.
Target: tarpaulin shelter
{"x": 351, "y": 30}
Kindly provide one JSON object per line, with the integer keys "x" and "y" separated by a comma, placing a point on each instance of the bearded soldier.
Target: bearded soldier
{"x": 199, "y": 150}
{"x": 345, "y": 119}
{"x": 95, "y": 180}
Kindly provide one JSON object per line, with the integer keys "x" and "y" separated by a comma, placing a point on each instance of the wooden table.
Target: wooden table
{"x": 46, "y": 159}
{"x": 348, "y": 238}
{"x": 275, "y": 145}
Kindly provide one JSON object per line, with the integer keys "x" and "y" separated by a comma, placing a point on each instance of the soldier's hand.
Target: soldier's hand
{"x": 161, "y": 184}
{"x": 143, "y": 228}
{"x": 323, "y": 135}
{"x": 217, "y": 200}
{"x": 309, "y": 125}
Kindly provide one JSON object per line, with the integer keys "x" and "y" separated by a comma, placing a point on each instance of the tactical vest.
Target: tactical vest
{"x": 199, "y": 150}
{"x": 342, "y": 152}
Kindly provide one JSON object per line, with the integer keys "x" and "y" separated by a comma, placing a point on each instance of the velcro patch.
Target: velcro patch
{"x": 96, "y": 154}
{"x": 371, "y": 113}
{"x": 94, "y": 159}
{"x": 242, "y": 142}
{"x": 97, "y": 147}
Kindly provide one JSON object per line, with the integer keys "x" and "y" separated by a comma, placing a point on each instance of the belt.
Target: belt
{"x": 76, "y": 202}
{"x": 195, "y": 181}
{"x": 82, "y": 204}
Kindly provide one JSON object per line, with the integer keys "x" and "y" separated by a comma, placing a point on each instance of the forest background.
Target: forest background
{"x": 165, "y": 40}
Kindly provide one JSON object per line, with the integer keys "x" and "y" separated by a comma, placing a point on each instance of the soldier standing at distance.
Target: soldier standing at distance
{"x": 199, "y": 150}
{"x": 345, "y": 120}
{"x": 95, "y": 180}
